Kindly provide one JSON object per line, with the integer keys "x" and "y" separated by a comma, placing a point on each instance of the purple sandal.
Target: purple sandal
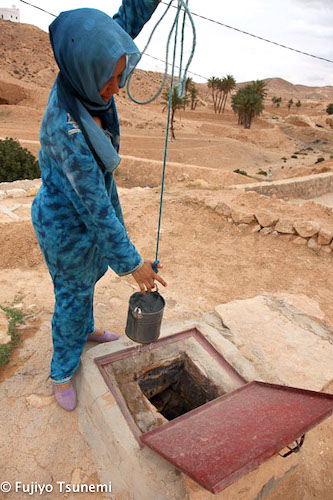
{"x": 66, "y": 399}
{"x": 107, "y": 337}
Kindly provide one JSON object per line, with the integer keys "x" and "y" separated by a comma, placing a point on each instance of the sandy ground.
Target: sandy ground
{"x": 326, "y": 200}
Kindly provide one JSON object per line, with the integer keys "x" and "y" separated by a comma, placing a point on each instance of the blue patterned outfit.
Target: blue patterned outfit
{"x": 77, "y": 214}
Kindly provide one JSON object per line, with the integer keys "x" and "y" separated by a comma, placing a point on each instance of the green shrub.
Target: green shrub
{"x": 242, "y": 172}
{"x": 262, "y": 172}
{"x": 320, "y": 159}
{"x": 294, "y": 156}
{"x": 15, "y": 317}
{"x": 16, "y": 163}
{"x": 329, "y": 109}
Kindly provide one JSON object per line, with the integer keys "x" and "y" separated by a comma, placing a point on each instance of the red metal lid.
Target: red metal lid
{"x": 219, "y": 442}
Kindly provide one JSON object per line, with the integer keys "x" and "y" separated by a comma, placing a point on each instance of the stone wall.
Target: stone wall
{"x": 299, "y": 231}
{"x": 307, "y": 187}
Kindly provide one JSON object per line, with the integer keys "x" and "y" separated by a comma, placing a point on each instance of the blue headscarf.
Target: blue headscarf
{"x": 87, "y": 45}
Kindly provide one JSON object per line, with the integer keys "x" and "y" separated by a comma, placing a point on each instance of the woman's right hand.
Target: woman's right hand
{"x": 145, "y": 277}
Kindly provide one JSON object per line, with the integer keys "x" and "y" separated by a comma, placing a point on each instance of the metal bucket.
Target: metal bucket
{"x": 144, "y": 317}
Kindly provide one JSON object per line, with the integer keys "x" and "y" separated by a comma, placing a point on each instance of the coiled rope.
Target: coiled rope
{"x": 182, "y": 5}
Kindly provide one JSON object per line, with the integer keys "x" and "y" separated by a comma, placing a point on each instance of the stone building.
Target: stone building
{"x": 10, "y": 14}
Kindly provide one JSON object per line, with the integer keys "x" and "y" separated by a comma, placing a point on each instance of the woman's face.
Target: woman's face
{"x": 112, "y": 87}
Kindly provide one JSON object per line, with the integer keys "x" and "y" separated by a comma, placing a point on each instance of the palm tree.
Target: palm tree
{"x": 176, "y": 103}
{"x": 213, "y": 85}
{"x": 193, "y": 96}
{"x": 188, "y": 85}
{"x": 220, "y": 94}
{"x": 248, "y": 102}
{"x": 229, "y": 83}
{"x": 260, "y": 88}
{"x": 191, "y": 93}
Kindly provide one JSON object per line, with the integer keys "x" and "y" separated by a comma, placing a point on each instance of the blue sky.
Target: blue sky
{"x": 303, "y": 24}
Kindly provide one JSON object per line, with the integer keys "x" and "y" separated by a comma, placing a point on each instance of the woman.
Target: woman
{"x": 76, "y": 214}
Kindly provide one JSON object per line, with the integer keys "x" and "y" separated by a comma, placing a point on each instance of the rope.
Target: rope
{"x": 181, "y": 85}
{"x": 162, "y": 60}
{"x": 181, "y": 3}
{"x": 182, "y": 6}
{"x": 155, "y": 264}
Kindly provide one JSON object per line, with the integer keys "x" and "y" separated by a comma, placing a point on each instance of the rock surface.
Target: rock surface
{"x": 266, "y": 218}
{"x": 325, "y": 237}
{"x": 223, "y": 209}
{"x": 32, "y": 191}
{"x": 43, "y": 441}
{"x": 326, "y": 249}
{"x": 38, "y": 401}
{"x": 256, "y": 228}
{"x": 306, "y": 229}
{"x": 300, "y": 241}
{"x": 266, "y": 230}
{"x": 16, "y": 193}
{"x": 285, "y": 226}
{"x": 313, "y": 244}
{"x": 285, "y": 345}
{"x": 242, "y": 217}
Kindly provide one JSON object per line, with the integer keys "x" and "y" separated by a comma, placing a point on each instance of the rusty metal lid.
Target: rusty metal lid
{"x": 224, "y": 439}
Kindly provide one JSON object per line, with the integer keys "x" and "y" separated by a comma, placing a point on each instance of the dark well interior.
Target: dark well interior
{"x": 176, "y": 386}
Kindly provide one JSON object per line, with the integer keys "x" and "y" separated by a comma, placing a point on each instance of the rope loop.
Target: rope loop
{"x": 182, "y": 5}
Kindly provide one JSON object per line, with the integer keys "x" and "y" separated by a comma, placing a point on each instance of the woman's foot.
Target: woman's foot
{"x": 65, "y": 395}
{"x": 103, "y": 336}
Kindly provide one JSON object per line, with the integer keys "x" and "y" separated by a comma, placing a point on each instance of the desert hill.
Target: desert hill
{"x": 28, "y": 71}
{"x": 281, "y": 88}
{"x": 288, "y": 90}
{"x": 26, "y": 55}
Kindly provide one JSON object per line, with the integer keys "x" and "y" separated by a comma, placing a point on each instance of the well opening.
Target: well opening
{"x": 176, "y": 386}
{"x": 154, "y": 384}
